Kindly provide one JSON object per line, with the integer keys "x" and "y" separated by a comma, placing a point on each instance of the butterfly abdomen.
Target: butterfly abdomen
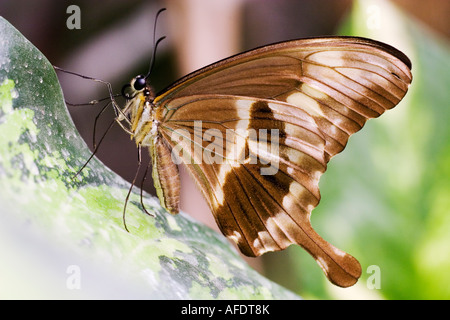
{"x": 166, "y": 177}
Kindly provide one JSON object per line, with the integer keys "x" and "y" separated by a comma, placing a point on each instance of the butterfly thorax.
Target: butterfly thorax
{"x": 139, "y": 111}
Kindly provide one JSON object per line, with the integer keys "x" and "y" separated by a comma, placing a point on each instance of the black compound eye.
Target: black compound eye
{"x": 139, "y": 83}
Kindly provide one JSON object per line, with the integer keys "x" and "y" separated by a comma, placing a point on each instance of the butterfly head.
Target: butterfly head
{"x": 138, "y": 87}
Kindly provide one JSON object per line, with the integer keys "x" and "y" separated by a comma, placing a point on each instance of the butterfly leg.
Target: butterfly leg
{"x": 142, "y": 188}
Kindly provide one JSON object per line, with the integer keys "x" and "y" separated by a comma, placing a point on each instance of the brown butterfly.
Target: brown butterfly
{"x": 257, "y": 130}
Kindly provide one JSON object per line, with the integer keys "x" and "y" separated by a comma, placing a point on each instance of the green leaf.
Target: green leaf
{"x": 64, "y": 238}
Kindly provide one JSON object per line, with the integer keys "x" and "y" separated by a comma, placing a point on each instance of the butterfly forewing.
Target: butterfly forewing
{"x": 313, "y": 94}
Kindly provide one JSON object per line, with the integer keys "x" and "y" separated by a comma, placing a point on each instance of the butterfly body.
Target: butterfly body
{"x": 257, "y": 130}
{"x": 143, "y": 119}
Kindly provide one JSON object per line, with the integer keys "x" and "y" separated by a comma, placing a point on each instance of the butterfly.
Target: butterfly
{"x": 257, "y": 130}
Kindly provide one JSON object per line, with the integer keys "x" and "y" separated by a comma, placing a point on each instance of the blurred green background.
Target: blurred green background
{"x": 385, "y": 199}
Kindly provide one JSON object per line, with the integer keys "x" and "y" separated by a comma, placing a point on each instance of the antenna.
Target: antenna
{"x": 155, "y": 43}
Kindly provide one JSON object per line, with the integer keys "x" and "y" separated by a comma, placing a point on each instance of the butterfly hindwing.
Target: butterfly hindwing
{"x": 261, "y": 197}
{"x": 314, "y": 93}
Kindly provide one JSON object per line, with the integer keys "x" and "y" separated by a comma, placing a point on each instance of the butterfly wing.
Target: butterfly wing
{"x": 315, "y": 93}
{"x": 340, "y": 81}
